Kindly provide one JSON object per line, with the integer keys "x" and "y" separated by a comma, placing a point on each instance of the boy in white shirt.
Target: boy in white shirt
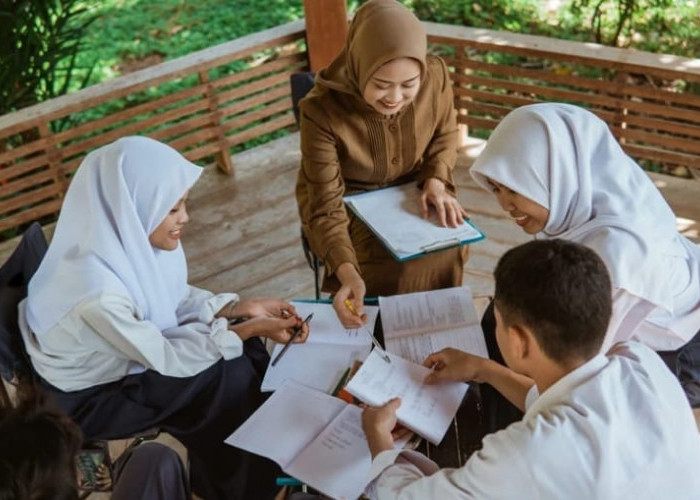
{"x": 613, "y": 425}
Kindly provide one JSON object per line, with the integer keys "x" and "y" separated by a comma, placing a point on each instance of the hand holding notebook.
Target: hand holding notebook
{"x": 394, "y": 216}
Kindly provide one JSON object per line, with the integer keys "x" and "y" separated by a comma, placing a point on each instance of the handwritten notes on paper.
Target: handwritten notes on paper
{"x": 327, "y": 353}
{"x": 393, "y": 215}
{"x": 314, "y": 437}
{"x": 418, "y": 324}
{"x": 425, "y": 409}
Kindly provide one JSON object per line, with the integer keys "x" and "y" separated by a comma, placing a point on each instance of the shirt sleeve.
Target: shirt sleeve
{"x": 441, "y": 154}
{"x": 182, "y": 351}
{"x": 410, "y": 475}
{"x": 201, "y": 305}
{"x": 327, "y": 222}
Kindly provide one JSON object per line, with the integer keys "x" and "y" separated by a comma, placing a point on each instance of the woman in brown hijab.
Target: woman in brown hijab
{"x": 380, "y": 114}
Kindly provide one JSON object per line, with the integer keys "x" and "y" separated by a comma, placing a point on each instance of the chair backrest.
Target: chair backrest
{"x": 14, "y": 278}
{"x": 301, "y": 84}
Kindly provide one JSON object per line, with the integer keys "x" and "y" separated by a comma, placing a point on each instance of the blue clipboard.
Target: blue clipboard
{"x": 392, "y": 215}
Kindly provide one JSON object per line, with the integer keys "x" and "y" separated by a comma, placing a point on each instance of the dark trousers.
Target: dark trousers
{"x": 150, "y": 471}
{"x": 685, "y": 365}
{"x": 498, "y": 412}
{"x": 200, "y": 411}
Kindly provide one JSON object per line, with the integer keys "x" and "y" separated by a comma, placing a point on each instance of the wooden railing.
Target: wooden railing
{"x": 225, "y": 96}
{"x": 650, "y": 101}
{"x": 210, "y": 101}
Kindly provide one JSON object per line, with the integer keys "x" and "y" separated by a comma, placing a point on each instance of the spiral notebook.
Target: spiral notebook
{"x": 393, "y": 215}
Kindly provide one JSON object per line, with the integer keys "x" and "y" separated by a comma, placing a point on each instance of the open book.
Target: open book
{"x": 427, "y": 410}
{"x": 393, "y": 215}
{"x": 314, "y": 437}
{"x": 418, "y": 324}
{"x": 325, "y": 356}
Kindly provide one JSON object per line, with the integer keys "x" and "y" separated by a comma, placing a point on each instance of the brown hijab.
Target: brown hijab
{"x": 381, "y": 31}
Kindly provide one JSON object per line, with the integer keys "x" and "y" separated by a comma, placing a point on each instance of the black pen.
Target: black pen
{"x": 296, "y": 333}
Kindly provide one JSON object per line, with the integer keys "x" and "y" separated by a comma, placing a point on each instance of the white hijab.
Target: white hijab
{"x": 118, "y": 196}
{"x": 567, "y": 160}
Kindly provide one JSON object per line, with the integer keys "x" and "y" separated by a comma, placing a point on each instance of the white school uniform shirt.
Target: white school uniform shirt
{"x": 106, "y": 338}
{"x": 104, "y": 302}
{"x": 617, "y": 427}
{"x": 566, "y": 159}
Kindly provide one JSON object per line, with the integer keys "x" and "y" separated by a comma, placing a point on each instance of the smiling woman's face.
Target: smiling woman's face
{"x": 527, "y": 214}
{"x": 167, "y": 235}
{"x": 393, "y": 86}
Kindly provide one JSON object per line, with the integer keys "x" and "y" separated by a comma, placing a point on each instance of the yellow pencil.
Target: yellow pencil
{"x": 383, "y": 354}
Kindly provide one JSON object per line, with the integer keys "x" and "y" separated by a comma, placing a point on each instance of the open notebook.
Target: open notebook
{"x": 393, "y": 215}
{"x": 427, "y": 410}
{"x": 418, "y": 324}
{"x": 313, "y": 436}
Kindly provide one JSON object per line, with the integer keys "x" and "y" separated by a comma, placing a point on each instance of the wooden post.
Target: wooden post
{"x": 223, "y": 157}
{"x": 326, "y": 30}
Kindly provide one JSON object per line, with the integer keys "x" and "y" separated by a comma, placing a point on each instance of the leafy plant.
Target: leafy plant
{"x": 609, "y": 19}
{"x": 39, "y": 44}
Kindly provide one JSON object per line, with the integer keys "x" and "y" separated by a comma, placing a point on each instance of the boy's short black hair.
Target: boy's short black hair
{"x": 561, "y": 291}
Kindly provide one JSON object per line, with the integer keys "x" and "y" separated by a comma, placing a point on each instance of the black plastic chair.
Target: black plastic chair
{"x": 15, "y": 366}
{"x": 301, "y": 83}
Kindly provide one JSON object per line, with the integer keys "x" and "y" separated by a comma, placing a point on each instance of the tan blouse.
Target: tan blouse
{"x": 348, "y": 147}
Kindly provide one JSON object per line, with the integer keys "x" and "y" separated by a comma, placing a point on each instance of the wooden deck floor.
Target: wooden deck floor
{"x": 244, "y": 229}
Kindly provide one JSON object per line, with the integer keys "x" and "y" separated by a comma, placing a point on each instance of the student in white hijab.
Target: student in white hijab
{"x": 560, "y": 173}
{"x": 120, "y": 339}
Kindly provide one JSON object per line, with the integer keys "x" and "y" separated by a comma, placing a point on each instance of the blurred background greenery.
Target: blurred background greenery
{"x": 49, "y": 47}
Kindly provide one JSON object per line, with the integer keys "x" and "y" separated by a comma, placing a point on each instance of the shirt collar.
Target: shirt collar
{"x": 564, "y": 386}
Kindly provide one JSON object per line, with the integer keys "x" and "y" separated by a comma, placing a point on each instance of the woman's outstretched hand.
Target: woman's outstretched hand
{"x": 449, "y": 211}
{"x": 352, "y": 289}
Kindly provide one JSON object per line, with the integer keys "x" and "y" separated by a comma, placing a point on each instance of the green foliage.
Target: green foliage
{"x": 611, "y": 21}
{"x": 131, "y": 34}
{"x": 39, "y": 44}
{"x": 512, "y": 15}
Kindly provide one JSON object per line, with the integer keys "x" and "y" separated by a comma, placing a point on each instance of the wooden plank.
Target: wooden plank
{"x": 35, "y": 213}
{"x": 32, "y": 197}
{"x": 668, "y": 97}
{"x": 539, "y": 46}
{"x": 270, "y": 82}
{"x": 288, "y": 63}
{"x": 249, "y": 96}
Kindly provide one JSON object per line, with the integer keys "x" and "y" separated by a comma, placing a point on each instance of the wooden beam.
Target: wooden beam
{"x": 326, "y": 30}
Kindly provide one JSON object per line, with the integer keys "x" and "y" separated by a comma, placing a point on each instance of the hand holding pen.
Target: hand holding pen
{"x": 381, "y": 352}
{"x": 297, "y": 331}
{"x": 279, "y": 329}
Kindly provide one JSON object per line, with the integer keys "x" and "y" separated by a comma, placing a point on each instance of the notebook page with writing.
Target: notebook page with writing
{"x": 284, "y": 425}
{"x": 393, "y": 214}
{"x": 417, "y": 324}
{"x": 338, "y": 461}
{"x": 329, "y": 350}
{"x": 425, "y": 409}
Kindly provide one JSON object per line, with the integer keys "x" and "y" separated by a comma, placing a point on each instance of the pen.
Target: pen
{"x": 296, "y": 333}
{"x": 384, "y": 355}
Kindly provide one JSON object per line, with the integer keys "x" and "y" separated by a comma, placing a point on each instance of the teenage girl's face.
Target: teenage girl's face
{"x": 527, "y": 214}
{"x": 393, "y": 86}
{"x": 167, "y": 235}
